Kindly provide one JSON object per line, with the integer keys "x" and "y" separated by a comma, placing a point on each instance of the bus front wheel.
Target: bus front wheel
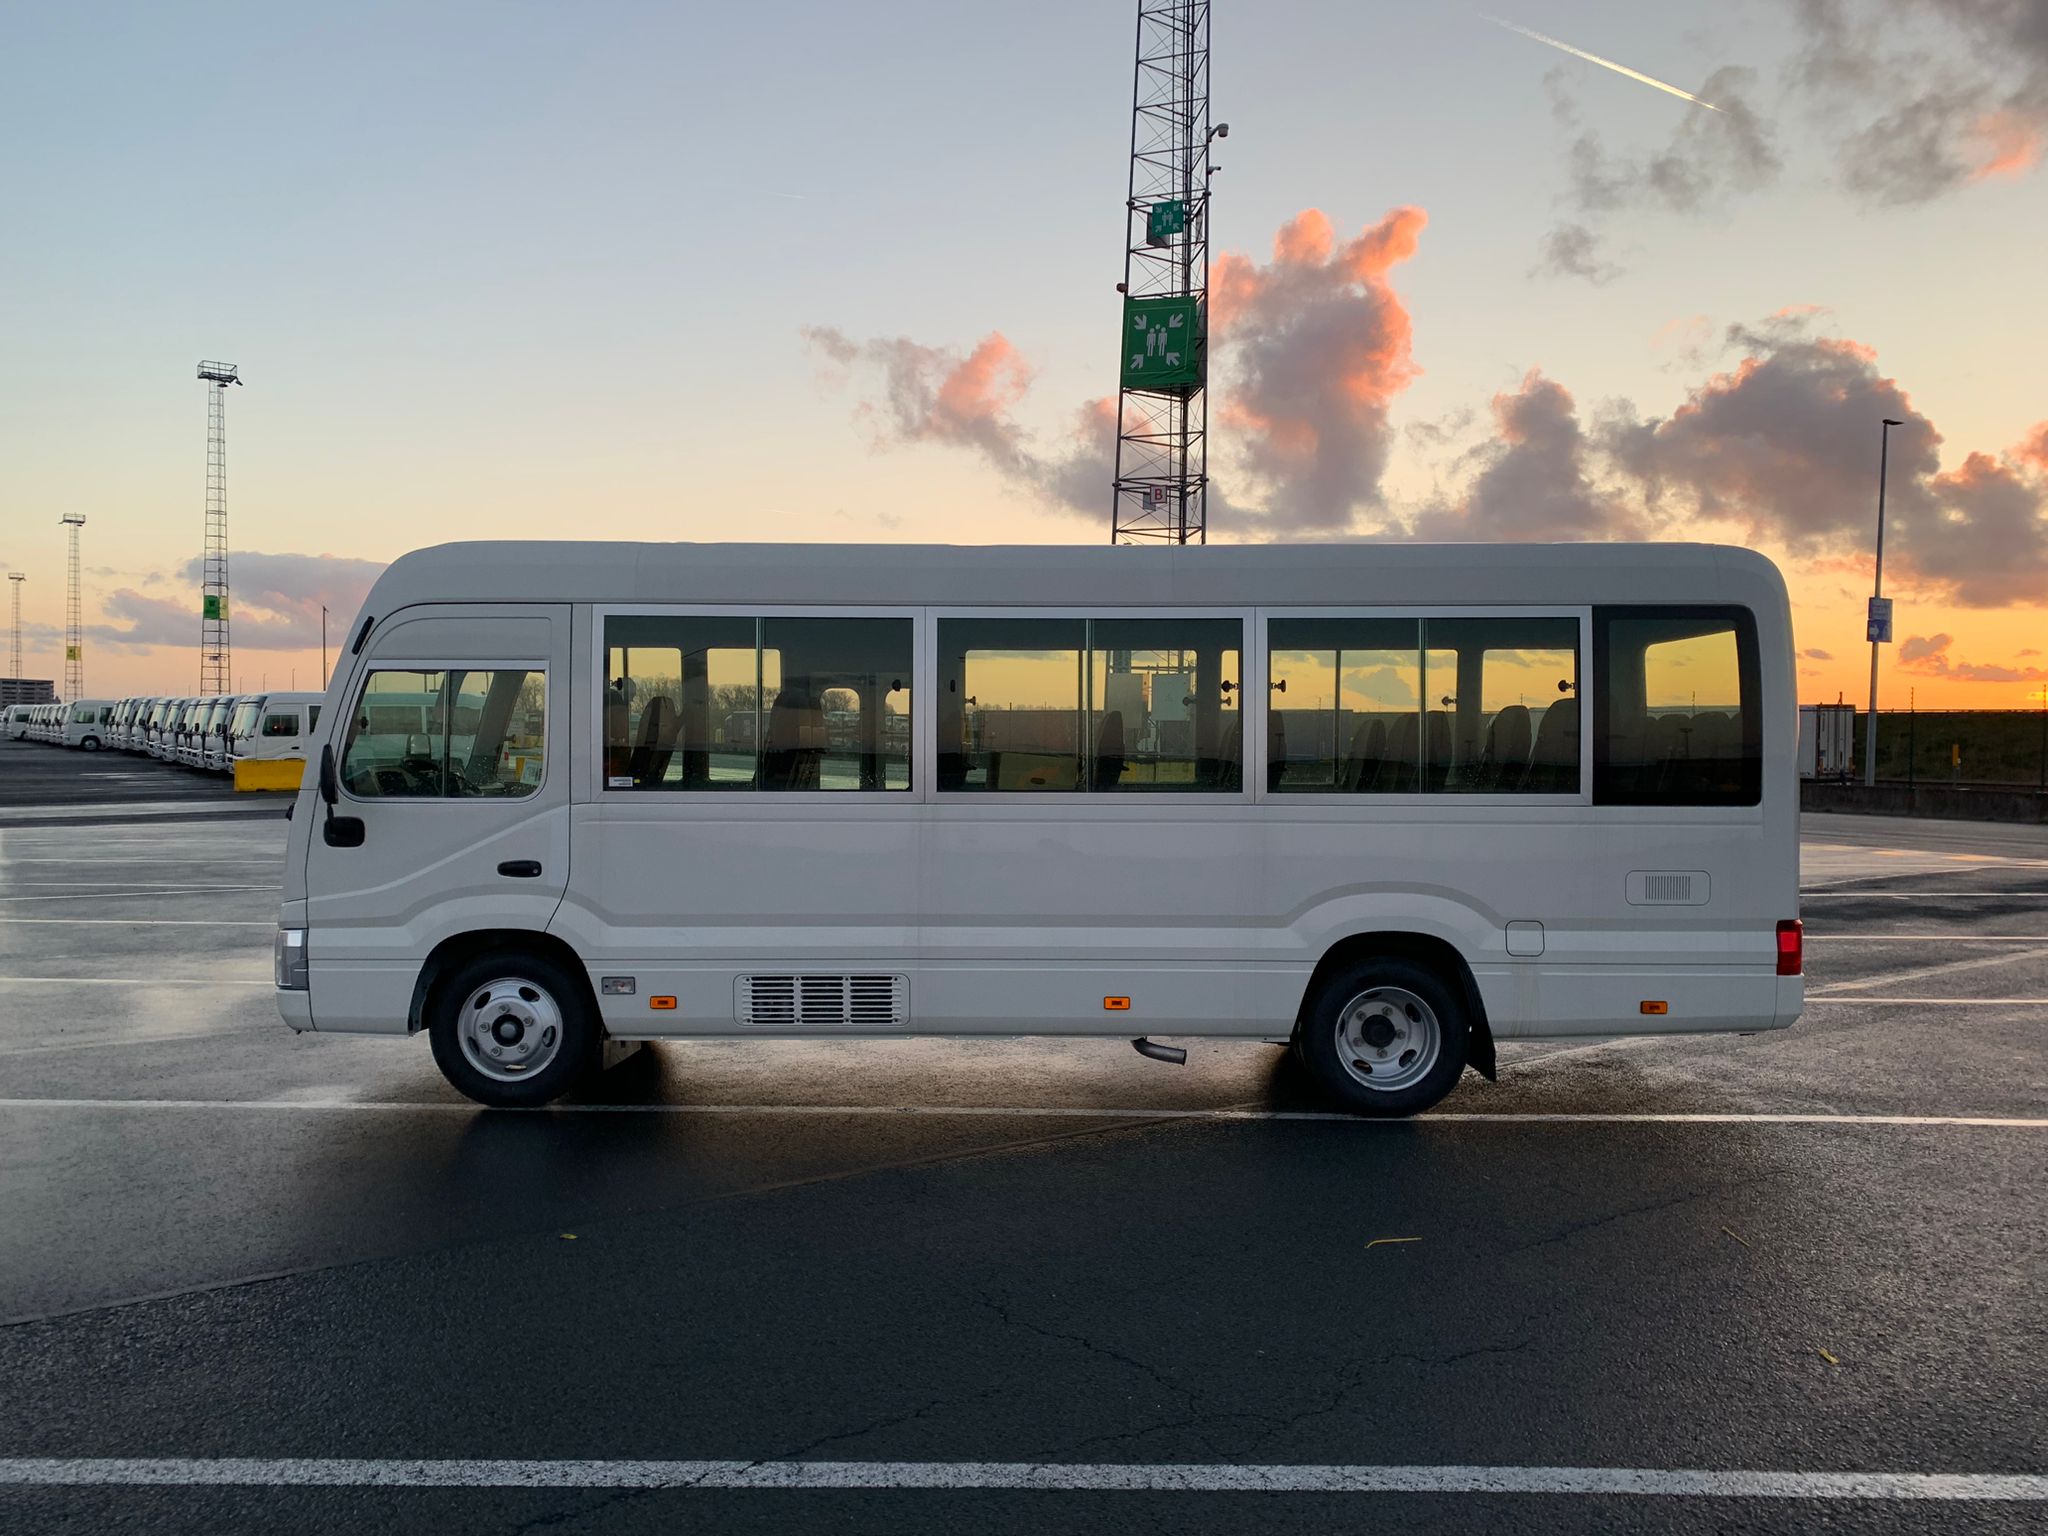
{"x": 1385, "y": 1037}
{"x": 511, "y": 1030}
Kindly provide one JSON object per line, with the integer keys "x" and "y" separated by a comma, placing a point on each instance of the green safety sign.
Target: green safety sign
{"x": 1165, "y": 220}
{"x": 212, "y": 607}
{"x": 1163, "y": 343}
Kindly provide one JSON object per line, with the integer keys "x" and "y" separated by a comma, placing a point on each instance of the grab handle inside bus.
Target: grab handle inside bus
{"x": 340, "y": 831}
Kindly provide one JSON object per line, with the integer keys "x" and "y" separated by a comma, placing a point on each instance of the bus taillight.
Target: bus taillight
{"x": 1791, "y": 947}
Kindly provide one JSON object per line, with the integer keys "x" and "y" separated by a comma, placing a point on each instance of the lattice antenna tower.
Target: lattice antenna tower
{"x": 74, "y": 614}
{"x": 14, "y": 580}
{"x": 1162, "y": 448}
{"x": 215, "y": 662}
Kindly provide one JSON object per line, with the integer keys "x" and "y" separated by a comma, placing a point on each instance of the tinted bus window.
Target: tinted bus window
{"x": 1424, "y": 706}
{"x": 1680, "y": 710}
{"x": 780, "y": 704}
{"x": 1090, "y": 705}
{"x": 447, "y": 735}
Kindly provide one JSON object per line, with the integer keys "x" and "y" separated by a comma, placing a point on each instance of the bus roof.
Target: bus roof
{"x": 1338, "y": 574}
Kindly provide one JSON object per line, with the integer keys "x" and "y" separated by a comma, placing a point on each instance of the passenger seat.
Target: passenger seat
{"x": 1554, "y": 762}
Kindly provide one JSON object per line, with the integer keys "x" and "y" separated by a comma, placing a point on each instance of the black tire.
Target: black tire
{"x": 575, "y": 1053}
{"x": 1416, "y": 1085}
{"x": 91, "y": 743}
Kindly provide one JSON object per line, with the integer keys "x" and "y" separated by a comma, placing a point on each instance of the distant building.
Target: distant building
{"x": 26, "y": 690}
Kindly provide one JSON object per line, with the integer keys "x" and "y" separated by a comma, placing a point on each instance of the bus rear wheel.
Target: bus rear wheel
{"x": 511, "y": 1030}
{"x": 1385, "y": 1037}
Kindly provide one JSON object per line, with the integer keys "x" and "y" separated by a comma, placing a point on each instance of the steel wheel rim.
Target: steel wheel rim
{"x": 510, "y": 1029}
{"x": 1388, "y": 1039}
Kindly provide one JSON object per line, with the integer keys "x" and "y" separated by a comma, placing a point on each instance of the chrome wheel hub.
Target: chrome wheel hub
{"x": 1388, "y": 1039}
{"x": 510, "y": 1029}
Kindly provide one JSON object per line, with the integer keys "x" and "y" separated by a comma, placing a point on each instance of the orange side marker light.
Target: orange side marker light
{"x": 1655, "y": 1007}
{"x": 1117, "y": 1004}
{"x": 661, "y": 1002}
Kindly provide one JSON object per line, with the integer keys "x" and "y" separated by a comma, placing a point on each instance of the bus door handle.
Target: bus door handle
{"x": 521, "y": 869}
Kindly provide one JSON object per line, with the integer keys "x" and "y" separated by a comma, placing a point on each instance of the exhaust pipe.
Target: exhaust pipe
{"x": 1167, "y": 1053}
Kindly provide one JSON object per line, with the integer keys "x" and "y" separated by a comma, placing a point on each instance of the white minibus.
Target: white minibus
{"x": 117, "y": 723}
{"x": 163, "y": 729}
{"x": 18, "y": 720}
{"x": 132, "y": 712}
{"x": 85, "y": 724}
{"x": 213, "y": 746}
{"x": 163, "y": 736}
{"x": 1390, "y": 804}
{"x": 191, "y": 745}
{"x": 271, "y": 726}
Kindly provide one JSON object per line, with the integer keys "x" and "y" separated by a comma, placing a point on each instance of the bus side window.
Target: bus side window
{"x": 1010, "y": 704}
{"x": 1066, "y": 705}
{"x": 1680, "y": 710}
{"x": 1346, "y": 694}
{"x": 282, "y": 724}
{"x": 682, "y": 698}
{"x": 447, "y": 735}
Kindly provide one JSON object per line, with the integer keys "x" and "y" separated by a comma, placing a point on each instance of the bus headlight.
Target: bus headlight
{"x": 289, "y": 960}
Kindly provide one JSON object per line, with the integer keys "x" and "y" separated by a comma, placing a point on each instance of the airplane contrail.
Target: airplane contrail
{"x": 1594, "y": 58}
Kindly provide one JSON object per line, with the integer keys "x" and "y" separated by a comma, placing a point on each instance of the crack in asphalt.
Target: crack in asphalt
{"x": 1647, "y": 1209}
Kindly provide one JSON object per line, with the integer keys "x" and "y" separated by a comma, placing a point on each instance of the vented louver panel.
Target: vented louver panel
{"x": 822, "y": 1002}
{"x": 1667, "y": 888}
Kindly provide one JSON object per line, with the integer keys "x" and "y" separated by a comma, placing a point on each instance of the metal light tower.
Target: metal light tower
{"x": 74, "y": 615}
{"x": 14, "y": 580}
{"x": 215, "y": 668}
{"x": 1879, "y": 624}
{"x": 1162, "y": 448}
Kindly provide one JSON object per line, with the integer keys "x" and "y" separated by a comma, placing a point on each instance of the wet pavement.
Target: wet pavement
{"x": 221, "y": 1240}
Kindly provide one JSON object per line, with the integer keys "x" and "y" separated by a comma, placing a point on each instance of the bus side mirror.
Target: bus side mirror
{"x": 339, "y": 831}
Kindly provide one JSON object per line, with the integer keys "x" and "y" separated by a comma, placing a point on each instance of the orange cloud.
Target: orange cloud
{"x": 2010, "y": 145}
{"x": 982, "y": 388}
{"x": 1319, "y": 346}
{"x": 2033, "y": 448}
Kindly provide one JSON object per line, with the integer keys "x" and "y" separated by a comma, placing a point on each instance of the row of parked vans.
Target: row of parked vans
{"x": 211, "y": 732}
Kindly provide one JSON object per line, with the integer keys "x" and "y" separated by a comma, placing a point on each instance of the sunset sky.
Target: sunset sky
{"x": 834, "y": 272}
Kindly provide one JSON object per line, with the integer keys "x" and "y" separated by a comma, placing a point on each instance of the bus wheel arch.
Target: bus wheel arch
{"x": 457, "y": 950}
{"x": 1427, "y": 950}
{"x": 510, "y": 1017}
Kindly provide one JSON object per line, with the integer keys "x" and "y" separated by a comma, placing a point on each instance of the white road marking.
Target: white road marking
{"x": 1927, "y": 938}
{"x": 1934, "y": 1002}
{"x": 1921, "y": 973}
{"x": 1069, "y": 1477}
{"x": 138, "y": 981}
{"x": 1039, "y": 1112}
{"x": 148, "y": 922}
{"x": 218, "y": 858}
{"x": 1917, "y": 895}
{"x": 134, "y": 894}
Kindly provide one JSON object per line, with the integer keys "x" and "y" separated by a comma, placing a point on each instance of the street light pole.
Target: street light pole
{"x": 1880, "y": 629}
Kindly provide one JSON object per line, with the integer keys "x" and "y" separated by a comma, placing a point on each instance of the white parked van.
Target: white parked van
{"x": 163, "y": 728}
{"x": 86, "y": 723}
{"x": 17, "y": 722}
{"x": 191, "y": 742}
{"x": 1389, "y": 803}
{"x": 213, "y": 747}
{"x": 271, "y": 726}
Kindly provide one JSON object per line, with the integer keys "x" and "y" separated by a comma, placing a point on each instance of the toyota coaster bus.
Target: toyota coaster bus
{"x": 1390, "y": 804}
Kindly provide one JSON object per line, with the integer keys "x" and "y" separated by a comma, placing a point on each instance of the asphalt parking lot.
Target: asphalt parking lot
{"x": 1789, "y": 1282}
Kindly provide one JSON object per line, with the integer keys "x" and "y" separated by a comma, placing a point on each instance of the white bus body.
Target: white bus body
{"x": 18, "y": 721}
{"x": 213, "y": 748}
{"x": 193, "y": 733}
{"x": 1345, "y": 795}
{"x": 273, "y": 726}
{"x": 86, "y": 723}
